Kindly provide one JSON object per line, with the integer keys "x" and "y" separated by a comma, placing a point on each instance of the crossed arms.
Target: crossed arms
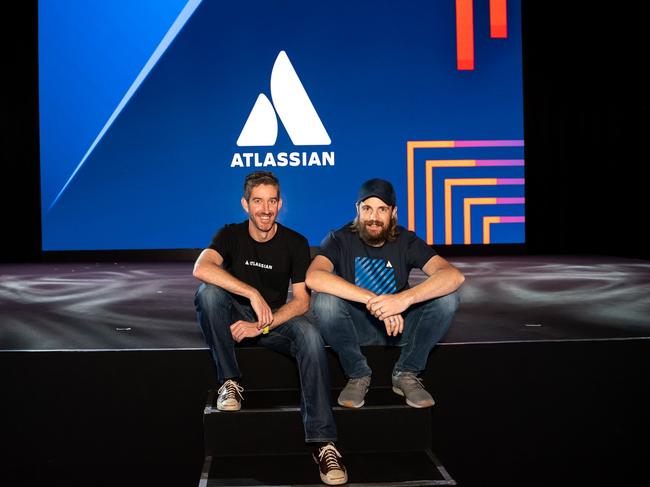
{"x": 443, "y": 278}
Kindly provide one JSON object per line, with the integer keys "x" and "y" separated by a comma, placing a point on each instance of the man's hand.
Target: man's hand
{"x": 394, "y": 325}
{"x": 387, "y": 305}
{"x": 244, "y": 329}
{"x": 262, "y": 311}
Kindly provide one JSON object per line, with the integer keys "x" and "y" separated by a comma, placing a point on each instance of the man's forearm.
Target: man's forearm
{"x": 440, "y": 283}
{"x": 327, "y": 282}
{"x": 291, "y": 309}
{"x": 218, "y": 276}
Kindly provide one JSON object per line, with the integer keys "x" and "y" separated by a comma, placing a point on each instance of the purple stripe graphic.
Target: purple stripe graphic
{"x": 500, "y": 162}
{"x": 513, "y": 219}
{"x": 511, "y": 201}
{"x": 488, "y": 143}
{"x": 510, "y": 181}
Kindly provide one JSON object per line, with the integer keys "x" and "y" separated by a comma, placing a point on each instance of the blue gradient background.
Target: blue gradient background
{"x": 378, "y": 74}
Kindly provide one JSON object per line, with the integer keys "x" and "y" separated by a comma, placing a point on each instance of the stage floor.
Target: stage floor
{"x": 149, "y": 306}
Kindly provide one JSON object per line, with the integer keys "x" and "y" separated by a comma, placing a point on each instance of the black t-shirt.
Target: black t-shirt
{"x": 266, "y": 266}
{"x": 382, "y": 270}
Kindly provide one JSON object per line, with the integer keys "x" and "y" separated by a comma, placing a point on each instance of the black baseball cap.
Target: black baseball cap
{"x": 379, "y": 188}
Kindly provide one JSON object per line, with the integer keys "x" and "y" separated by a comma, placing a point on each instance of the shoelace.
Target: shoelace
{"x": 331, "y": 457}
{"x": 414, "y": 380}
{"x": 232, "y": 390}
{"x": 360, "y": 380}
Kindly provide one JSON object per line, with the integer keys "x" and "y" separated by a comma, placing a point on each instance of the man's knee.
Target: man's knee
{"x": 445, "y": 305}
{"x": 209, "y": 297}
{"x": 310, "y": 338}
{"x": 327, "y": 307}
{"x": 306, "y": 337}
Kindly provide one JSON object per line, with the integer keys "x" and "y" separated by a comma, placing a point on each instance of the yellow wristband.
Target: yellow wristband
{"x": 265, "y": 330}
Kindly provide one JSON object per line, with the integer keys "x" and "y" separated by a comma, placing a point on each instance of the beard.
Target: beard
{"x": 373, "y": 239}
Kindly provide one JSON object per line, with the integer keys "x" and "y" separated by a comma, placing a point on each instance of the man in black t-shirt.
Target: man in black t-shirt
{"x": 363, "y": 295}
{"x": 246, "y": 272}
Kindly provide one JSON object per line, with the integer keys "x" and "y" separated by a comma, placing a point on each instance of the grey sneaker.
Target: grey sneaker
{"x": 409, "y": 385}
{"x": 230, "y": 396}
{"x": 354, "y": 392}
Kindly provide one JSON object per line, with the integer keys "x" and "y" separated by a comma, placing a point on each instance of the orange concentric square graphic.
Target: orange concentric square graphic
{"x": 453, "y": 215}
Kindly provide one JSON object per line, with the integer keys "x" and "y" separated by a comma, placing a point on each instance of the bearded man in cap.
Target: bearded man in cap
{"x": 363, "y": 296}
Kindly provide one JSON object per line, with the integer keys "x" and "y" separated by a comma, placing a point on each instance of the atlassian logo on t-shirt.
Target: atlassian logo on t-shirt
{"x": 257, "y": 264}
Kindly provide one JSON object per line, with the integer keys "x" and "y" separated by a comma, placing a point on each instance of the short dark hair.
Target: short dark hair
{"x": 256, "y": 178}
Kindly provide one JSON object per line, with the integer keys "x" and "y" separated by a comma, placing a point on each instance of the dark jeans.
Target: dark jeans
{"x": 217, "y": 309}
{"x": 347, "y": 325}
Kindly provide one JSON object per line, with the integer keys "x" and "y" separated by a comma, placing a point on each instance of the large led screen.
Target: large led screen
{"x": 153, "y": 111}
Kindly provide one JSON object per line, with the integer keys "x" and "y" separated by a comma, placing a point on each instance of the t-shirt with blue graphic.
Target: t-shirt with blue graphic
{"x": 374, "y": 274}
{"x": 382, "y": 270}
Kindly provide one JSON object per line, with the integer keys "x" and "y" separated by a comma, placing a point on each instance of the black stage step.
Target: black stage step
{"x": 385, "y": 442}
{"x": 385, "y": 423}
{"x": 273, "y": 398}
{"x": 396, "y": 468}
{"x": 265, "y": 369}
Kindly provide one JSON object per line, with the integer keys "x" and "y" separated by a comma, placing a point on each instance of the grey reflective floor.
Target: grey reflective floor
{"x": 88, "y": 306}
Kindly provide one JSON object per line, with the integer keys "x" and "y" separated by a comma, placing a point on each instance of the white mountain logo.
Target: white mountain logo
{"x": 292, "y": 105}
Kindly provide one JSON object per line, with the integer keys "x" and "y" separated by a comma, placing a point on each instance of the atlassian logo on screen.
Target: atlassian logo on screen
{"x": 297, "y": 114}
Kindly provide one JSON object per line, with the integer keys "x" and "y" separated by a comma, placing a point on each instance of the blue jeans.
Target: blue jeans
{"x": 347, "y": 325}
{"x": 217, "y": 309}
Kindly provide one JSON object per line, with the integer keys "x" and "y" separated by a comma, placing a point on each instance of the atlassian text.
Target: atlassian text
{"x": 282, "y": 159}
{"x": 257, "y": 264}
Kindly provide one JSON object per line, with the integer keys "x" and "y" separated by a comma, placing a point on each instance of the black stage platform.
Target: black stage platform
{"x": 542, "y": 379}
{"x": 149, "y": 306}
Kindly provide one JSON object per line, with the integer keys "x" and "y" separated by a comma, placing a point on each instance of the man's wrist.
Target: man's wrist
{"x": 252, "y": 294}
{"x": 368, "y": 297}
{"x": 407, "y": 298}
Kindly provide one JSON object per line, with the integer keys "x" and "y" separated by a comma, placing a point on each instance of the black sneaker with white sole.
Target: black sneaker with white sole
{"x": 230, "y": 397}
{"x": 330, "y": 464}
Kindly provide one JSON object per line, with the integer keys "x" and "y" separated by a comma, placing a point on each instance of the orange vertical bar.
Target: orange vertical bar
{"x": 499, "y": 19}
{"x": 465, "y": 35}
{"x": 467, "y": 220}
{"x": 410, "y": 184}
{"x": 487, "y": 221}
{"x": 448, "y": 187}
{"x": 429, "y": 200}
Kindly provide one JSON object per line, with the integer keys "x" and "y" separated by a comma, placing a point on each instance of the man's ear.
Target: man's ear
{"x": 279, "y": 204}
{"x": 394, "y": 211}
{"x": 244, "y": 204}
